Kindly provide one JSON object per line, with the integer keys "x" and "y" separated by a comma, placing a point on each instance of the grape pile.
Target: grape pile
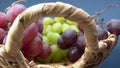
{"x": 52, "y": 39}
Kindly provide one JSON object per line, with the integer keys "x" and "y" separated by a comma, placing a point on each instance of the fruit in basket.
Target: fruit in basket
{"x": 59, "y": 19}
{"x": 113, "y": 26}
{"x": 69, "y": 36}
{"x": 65, "y": 27}
{"x": 46, "y": 50}
{"x": 3, "y": 20}
{"x": 74, "y": 53}
{"x": 2, "y": 35}
{"x": 33, "y": 48}
{"x": 30, "y": 33}
{"x": 57, "y": 27}
{"x": 40, "y": 26}
{"x": 53, "y": 37}
{"x": 14, "y": 11}
{"x": 47, "y": 21}
{"x": 81, "y": 42}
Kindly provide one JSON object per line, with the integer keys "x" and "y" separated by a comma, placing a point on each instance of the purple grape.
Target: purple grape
{"x": 62, "y": 44}
{"x": 102, "y": 34}
{"x": 69, "y": 37}
{"x": 74, "y": 53}
{"x": 113, "y": 26}
{"x": 81, "y": 41}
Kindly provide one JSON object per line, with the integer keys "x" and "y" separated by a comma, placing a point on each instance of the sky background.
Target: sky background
{"x": 92, "y": 7}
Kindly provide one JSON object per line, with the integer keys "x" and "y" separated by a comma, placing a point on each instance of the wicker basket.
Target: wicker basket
{"x": 95, "y": 51}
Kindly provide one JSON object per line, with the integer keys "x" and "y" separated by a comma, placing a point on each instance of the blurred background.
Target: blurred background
{"x": 92, "y": 7}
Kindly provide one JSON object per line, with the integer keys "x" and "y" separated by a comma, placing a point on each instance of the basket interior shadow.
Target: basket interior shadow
{"x": 95, "y": 51}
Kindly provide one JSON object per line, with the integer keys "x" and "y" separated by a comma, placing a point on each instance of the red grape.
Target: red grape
{"x": 74, "y": 53}
{"x": 32, "y": 48}
{"x": 113, "y": 26}
{"x": 3, "y": 20}
{"x": 102, "y": 34}
{"x": 39, "y": 35}
{"x": 30, "y": 33}
{"x": 40, "y": 26}
{"x": 45, "y": 52}
{"x": 81, "y": 42}
{"x": 2, "y": 34}
{"x": 14, "y": 10}
{"x": 69, "y": 36}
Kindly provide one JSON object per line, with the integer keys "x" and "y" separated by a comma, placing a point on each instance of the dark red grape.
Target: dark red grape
{"x": 81, "y": 41}
{"x": 32, "y": 48}
{"x": 2, "y": 34}
{"x": 102, "y": 34}
{"x": 69, "y": 36}
{"x": 113, "y": 26}
{"x": 14, "y": 10}
{"x": 40, "y": 26}
{"x": 74, "y": 53}
{"x": 45, "y": 52}
{"x": 39, "y": 35}
{"x": 62, "y": 44}
{"x": 3, "y": 20}
{"x": 30, "y": 33}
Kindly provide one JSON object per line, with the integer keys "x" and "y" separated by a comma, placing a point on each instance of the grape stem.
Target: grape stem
{"x": 96, "y": 16}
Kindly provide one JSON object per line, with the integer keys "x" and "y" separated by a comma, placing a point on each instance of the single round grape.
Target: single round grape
{"x": 39, "y": 35}
{"x": 65, "y": 27}
{"x": 113, "y": 26}
{"x": 102, "y": 34}
{"x": 46, "y": 50}
{"x": 74, "y": 53}
{"x": 2, "y": 35}
{"x": 62, "y": 44}
{"x": 14, "y": 10}
{"x": 3, "y": 20}
{"x": 59, "y": 19}
{"x": 69, "y": 36}
{"x": 47, "y": 21}
{"x": 56, "y": 55}
{"x": 40, "y": 26}
{"x": 81, "y": 41}
{"x": 33, "y": 48}
{"x": 30, "y": 33}
{"x": 57, "y": 27}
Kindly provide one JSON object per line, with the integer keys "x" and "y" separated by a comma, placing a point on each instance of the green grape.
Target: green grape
{"x": 56, "y": 54}
{"x": 48, "y": 29}
{"x": 74, "y": 27}
{"x": 59, "y": 19}
{"x": 65, "y": 27}
{"x": 64, "y": 53}
{"x": 71, "y": 22}
{"x": 44, "y": 60}
{"x": 53, "y": 37}
{"x": 47, "y": 21}
{"x": 57, "y": 27}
